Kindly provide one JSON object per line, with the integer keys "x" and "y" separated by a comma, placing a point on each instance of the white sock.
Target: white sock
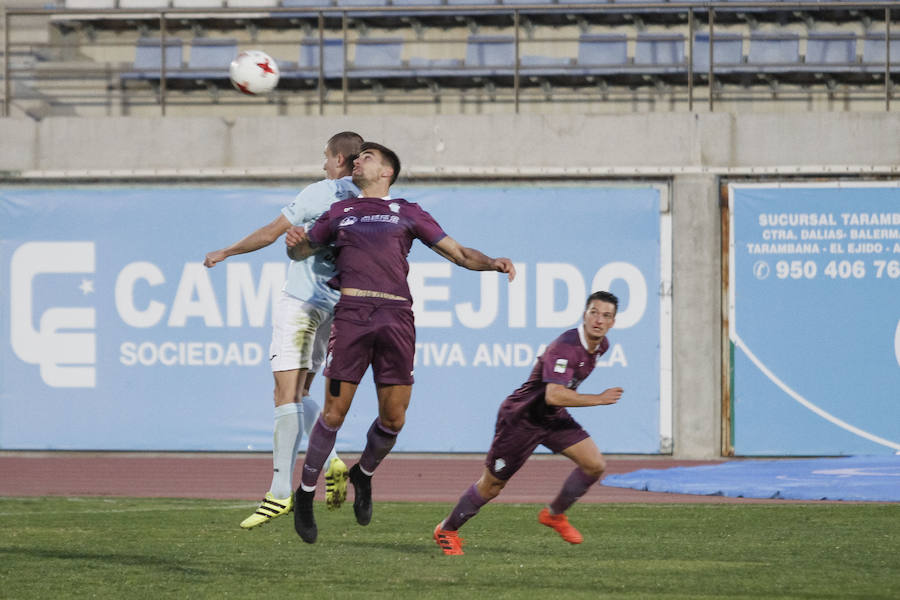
{"x": 286, "y": 441}
{"x": 311, "y": 412}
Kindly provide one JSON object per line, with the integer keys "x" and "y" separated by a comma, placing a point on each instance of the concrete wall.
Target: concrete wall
{"x": 476, "y": 142}
{"x": 692, "y": 151}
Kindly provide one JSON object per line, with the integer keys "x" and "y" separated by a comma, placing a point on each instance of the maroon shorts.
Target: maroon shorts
{"x": 372, "y": 331}
{"x": 515, "y": 441}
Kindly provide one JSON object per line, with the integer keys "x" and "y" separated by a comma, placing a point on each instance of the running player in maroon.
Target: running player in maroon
{"x": 535, "y": 414}
{"x": 373, "y": 320}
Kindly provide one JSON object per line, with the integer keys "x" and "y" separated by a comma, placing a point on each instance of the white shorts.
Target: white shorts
{"x": 300, "y": 334}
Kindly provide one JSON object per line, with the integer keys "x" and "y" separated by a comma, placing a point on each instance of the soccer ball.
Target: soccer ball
{"x": 254, "y": 72}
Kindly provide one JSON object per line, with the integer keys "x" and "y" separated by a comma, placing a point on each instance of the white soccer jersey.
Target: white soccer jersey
{"x": 307, "y": 279}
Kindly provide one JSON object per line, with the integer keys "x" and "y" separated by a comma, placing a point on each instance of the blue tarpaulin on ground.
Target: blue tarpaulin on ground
{"x": 867, "y": 478}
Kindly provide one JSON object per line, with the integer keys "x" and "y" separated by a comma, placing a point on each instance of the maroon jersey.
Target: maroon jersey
{"x": 371, "y": 239}
{"x": 567, "y": 362}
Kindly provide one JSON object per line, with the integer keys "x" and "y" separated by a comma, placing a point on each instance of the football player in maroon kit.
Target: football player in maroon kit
{"x": 370, "y": 237}
{"x": 536, "y": 414}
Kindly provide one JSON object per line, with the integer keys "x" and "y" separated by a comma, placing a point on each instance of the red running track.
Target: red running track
{"x": 401, "y": 477}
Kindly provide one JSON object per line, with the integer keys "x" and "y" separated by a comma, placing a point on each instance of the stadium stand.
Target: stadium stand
{"x": 728, "y": 52}
{"x": 143, "y": 3}
{"x": 585, "y": 49}
{"x": 875, "y": 50}
{"x": 831, "y": 50}
{"x": 605, "y": 51}
{"x": 248, "y": 3}
{"x": 90, "y": 4}
{"x": 332, "y": 51}
{"x": 378, "y": 59}
{"x": 771, "y": 50}
{"x": 208, "y": 62}
{"x": 663, "y": 51}
{"x": 148, "y": 58}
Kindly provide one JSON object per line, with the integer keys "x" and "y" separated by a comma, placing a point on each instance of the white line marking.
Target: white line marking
{"x": 824, "y": 414}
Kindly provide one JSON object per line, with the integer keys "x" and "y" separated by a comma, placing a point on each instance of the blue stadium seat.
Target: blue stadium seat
{"x": 306, "y": 3}
{"x": 728, "y": 52}
{"x": 378, "y": 58}
{"x": 491, "y": 51}
{"x": 774, "y": 49}
{"x": 607, "y": 50}
{"x": 875, "y": 51}
{"x": 197, "y": 3}
{"x": 210, "y": 58}
{"x": 831, "y": 48}
{"x": 487, "y": 56}
{"x": 333, "y": 51}
{"x": 358, "y": 3}
{"x": 251, "y": 3}
{"x": 664, "y": 50}
{"x": 148, "y": 58}
{"x": 73, "y": 4}
{"x": 143, "y": 3}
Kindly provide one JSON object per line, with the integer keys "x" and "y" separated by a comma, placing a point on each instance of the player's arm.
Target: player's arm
{"x": 472, "y": 259}
{"x": 301, "y": 250}
{"x": 559, "y": 395}
{"x": 299, "y": 244}
{"x": 260, "y": 238}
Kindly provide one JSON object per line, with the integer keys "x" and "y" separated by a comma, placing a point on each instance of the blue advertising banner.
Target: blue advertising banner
{"x": 815, "y": 318}
{"x": 116, "y": 337}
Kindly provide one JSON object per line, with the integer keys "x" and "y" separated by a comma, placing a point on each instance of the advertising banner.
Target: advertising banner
{"x": 116, "y": 337}
{"x": 815, "y": 318}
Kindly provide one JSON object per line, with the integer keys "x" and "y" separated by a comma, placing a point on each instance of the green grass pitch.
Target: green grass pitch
{"x": 168, "y": 548}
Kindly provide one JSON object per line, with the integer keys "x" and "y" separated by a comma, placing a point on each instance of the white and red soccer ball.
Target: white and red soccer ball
{"x": 254, "y": 72}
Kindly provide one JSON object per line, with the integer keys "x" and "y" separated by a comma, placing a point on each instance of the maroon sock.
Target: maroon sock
{"x": 321, "y": 442}
{"x": 575, "y": 487}
{"x": 468, "y": 506}
{"x": 379, "y": 442}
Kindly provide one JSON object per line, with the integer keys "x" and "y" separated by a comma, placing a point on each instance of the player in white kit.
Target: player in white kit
{"x": 301, "y": 325}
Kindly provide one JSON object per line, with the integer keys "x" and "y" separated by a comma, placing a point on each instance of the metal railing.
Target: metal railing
{"x": 325, "y": 19}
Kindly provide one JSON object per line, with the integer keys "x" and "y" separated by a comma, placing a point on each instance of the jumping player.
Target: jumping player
{"x": 373, "y": 320}
{"x": 301, "y": 325}
{"x": 535, "y": 414}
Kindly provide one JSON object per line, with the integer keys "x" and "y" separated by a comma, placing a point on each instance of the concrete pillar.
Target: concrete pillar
{"x": 697, "y": 323}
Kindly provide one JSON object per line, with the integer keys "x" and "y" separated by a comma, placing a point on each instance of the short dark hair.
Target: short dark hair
{"x": 602, "y": 297}
{"x": 346, "y": 143}
{"x": 387, "y": 153}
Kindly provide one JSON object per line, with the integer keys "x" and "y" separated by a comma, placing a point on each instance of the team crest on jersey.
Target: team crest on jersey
{"x": 346, "y": 221}
{"x": 394, "y": 207}
{"x": 561, "y": 364}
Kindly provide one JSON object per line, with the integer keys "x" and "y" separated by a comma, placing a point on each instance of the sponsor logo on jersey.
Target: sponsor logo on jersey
{"x": 347, "y": 221}
{"x": 380, "y": 219}
{"x": 560, "y": 366}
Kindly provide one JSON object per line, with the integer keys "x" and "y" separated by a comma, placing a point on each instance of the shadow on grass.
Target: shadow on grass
{"x": 131, "y": 560}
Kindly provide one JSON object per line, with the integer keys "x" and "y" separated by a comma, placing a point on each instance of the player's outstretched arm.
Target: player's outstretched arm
{"x": 260, "y": 238}
{"x": 560, "y": 395}
{"x": 473, "y": 259}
